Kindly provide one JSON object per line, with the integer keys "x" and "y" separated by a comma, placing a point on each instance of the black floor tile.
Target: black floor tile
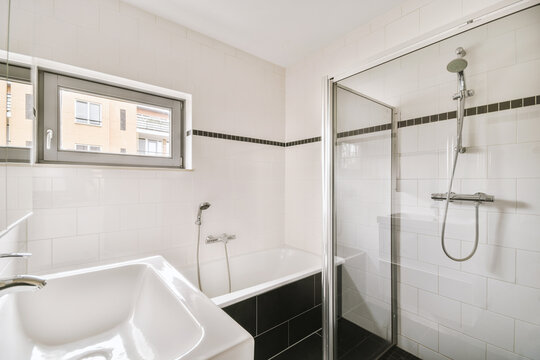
{"x": 271, "y": 342}
{"x": 244, "y": 313}
{"x": 396, "y": 353}
{"x": 367, "y": 349}
{"x": 308, "y": 349}
{"x": 349, "y": 335}
{"x": 305, "y": 324}
{"x": 366, "y": 346}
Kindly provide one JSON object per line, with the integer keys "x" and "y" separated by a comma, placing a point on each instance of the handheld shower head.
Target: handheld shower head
{"x": 202, "y": 206}
{"x": 457, "y": 65}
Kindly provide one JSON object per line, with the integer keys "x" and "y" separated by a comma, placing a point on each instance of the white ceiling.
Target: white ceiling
{"x": 280, "y": 31}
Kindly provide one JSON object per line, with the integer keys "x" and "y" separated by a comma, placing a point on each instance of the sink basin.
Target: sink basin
{"x": 141, "y": 309}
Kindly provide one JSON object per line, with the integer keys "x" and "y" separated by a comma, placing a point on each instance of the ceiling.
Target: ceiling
{"x": 280, "y": 31}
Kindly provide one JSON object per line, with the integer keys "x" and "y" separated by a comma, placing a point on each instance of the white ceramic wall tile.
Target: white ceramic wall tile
{"x": 428, "y": 354}
{"x": 41, "y": 258}
{"x": 488, "y": 326}
{"x": 418, "y": 166}
{"x": 528, "y": 194}
{"x": 528, "y": 126}
{"x": 430, "y": 250}
{"x": 527, "y": 336}
{"x": 408, "y": 345}
{"x": 514, "y": 230}
{"x": 517, "y": 160}
{"x": 456, "y": 345}
{"x": 520, "y": 302}
{"x": 408, "y": 298}
{"x": 52, "y": 223}
{"x": 402, "y": 30}
{"x": 496, "y": 353}
{"x": 528, "y": 268}
{"x": 439, "y": 309}
{"x": 422, "y": 331}
{"x": 490, "y": 129}
{"x": 491, "y": 261}
{"x": 467, "y": 288}
{"x": 418, "y": 274}
{"x": 75, "y": 250}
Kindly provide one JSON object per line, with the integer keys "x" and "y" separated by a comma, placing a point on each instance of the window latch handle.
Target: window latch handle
{"x": 49, "y": 138}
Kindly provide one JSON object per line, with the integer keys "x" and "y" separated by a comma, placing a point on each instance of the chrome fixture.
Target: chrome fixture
{"x": 20, "y": 282}
{"x": 224, "y": 238}
{"x": 15, "y": 255}
{"x": 202, "y": 206}
{"x": 458, "y": 66}
{"x": 477, "y": 197}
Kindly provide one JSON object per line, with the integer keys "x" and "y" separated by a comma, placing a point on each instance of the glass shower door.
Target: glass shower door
{"x": 362, "y": 208}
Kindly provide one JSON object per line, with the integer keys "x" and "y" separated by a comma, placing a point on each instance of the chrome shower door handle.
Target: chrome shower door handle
{"x": 50, "y": 134}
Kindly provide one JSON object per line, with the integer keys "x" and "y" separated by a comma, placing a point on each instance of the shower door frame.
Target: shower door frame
{"x": 329, "y": 283}
{"x": 328, "y": 139}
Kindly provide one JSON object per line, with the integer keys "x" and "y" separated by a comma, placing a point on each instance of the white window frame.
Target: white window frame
{"x": 49, "y": 86}
{"x": 88, "y": 121}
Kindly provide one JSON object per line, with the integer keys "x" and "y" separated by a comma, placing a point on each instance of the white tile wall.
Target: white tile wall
{"x": 527, "y": 335}
{"x": 85, "y": 215}
{"x": 494, "y": 295}
{"x": 457, "y": 345}
{"x": 143, "y": 212}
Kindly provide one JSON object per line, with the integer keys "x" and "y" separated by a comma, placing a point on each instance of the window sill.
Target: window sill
{"x": 113, "y": 167}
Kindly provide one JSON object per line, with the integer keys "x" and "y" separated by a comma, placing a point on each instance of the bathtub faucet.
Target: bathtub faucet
{"x": 224, "y": 238}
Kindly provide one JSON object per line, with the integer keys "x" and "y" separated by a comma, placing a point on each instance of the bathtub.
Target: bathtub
{"x": 253, "y": 274}
{"x": 275, "y": 294}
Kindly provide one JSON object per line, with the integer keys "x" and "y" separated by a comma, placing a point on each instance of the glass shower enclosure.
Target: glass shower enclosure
{"x": 431, "y": 171}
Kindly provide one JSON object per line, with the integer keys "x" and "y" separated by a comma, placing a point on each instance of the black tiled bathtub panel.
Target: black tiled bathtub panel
{"x": 280, "y": 318}
{"x": 283, "y": 303}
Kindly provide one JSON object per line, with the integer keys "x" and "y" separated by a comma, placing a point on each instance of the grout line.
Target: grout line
{"x": 296, "y": 343}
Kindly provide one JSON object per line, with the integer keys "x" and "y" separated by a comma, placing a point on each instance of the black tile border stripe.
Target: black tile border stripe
{"x": 251, "y": 140}
{"x": 366, "y": 130}
{"x": 476, "y": 110}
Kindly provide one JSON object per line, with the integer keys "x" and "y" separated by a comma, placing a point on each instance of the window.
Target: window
{"x": 16, "y": 105}
{"x": 156, "y": 147}
{"x": 87, "y": 113}
{"x": 85, "y": 147}
{"x": 128, "y": 127}
{"x": 123, "y": 119}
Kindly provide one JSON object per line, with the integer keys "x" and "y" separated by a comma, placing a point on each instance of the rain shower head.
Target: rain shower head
{"x": 457, "y": 65}
{"x": 202, "y": 206}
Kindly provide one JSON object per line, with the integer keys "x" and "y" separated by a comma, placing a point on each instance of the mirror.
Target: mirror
{"x": 16, "y": 131}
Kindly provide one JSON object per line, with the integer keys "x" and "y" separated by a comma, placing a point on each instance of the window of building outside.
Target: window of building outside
{"x": 16, "y": 102}
{"x": 91, "y": 122}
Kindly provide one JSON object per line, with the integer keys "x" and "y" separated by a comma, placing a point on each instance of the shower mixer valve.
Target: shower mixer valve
{"x": 225, "y": 238}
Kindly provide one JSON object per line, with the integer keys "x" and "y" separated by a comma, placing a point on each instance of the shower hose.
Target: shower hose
{"x": 198, "y": 250}
{"x": 476, "y": 205}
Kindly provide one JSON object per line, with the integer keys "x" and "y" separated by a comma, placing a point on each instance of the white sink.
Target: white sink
{"x": 141, "y": 309}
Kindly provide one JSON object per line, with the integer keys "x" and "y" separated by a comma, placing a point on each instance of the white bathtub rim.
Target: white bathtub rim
{"x": 246, "y": 293}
